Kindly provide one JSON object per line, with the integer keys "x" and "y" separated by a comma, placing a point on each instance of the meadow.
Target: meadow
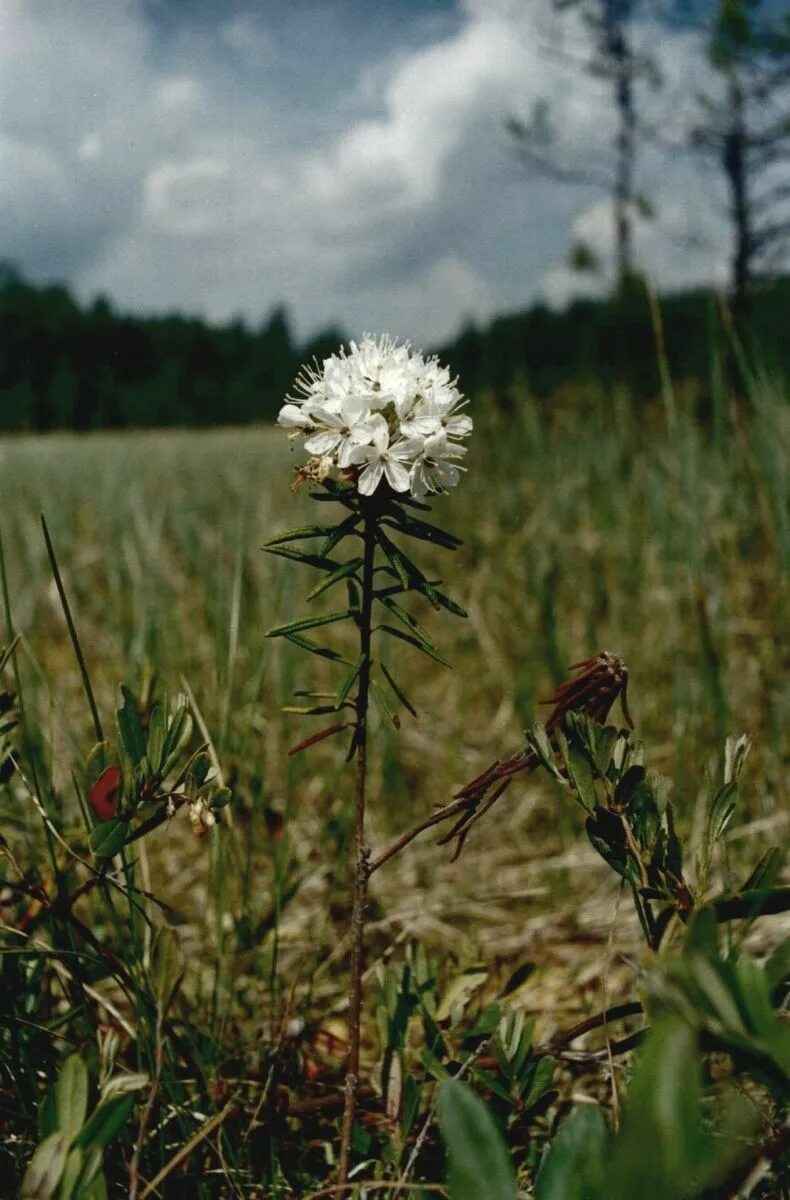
{"x": 588, "y": 524}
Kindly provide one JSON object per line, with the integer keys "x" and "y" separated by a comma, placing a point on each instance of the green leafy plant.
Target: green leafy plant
{"x": 68, "y": 1163}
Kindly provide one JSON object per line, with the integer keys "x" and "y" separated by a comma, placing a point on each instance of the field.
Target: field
{"x": 587, "y": 526}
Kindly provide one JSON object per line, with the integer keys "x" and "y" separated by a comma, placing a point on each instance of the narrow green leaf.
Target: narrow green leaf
{"x": 479, "y": 1162}
{"x": 341, "y": 572}
{"x": 179, "y": 731}
{"x": 313, "y": 647}
{"x": 404, "y": 699}
{"x": 71, "y": 1096}
{"x": 294, "y": 535}
{"x": 450, "y": 605}
{"x": 302, "y": 556}
{"x": 409, "y": 621}
{"x": 156, "y": 738}
{"x": 401, "y": 565}
{"x": 130, "y": 729}
{"x": 306, "y": 623}
{"x": 107, "y": 838}
{"x": 309, "y": 710}
{"x": 340, "y": 531}
{"x": 348, "y": 683}
{"x": 416, "y": 642}
{"x": 381, "y": 699}
{"x": 766, "y": 873}
{"x": 75, "y": 641}
{"x": 425, "y": 532}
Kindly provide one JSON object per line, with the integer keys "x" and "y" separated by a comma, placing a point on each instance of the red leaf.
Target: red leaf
{"x": 103, "y": 795}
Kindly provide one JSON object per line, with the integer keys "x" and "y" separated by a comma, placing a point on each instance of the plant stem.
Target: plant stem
{"x": 361, "y": 865}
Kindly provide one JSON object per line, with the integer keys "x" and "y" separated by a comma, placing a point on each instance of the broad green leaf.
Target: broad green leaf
{"x": 130, "y": 729}
{"x": 581, "y": 777}
{"x": 479, "y": 1162}
{"x": 777, "y": 968}
{"x": 340, "y": 573}
{"x": 99, "y": 759}
{"x": 71, "y": 1173}
{"x": 221, "y": 797}
{"x": 45, "y": 1168}
{"x": 105, "y": 1121}
{"x": 416, "y": 642}
{"x": 200, "y": 767}
{"x": 539, "y": 1081}
{"x": 47, "y": 1114}
{"x": 306, "y": 623}
{"x": 460, "y": 990}
{"x": 166, "y": 966}
{"x": 107, "y": 838}
{"x": 538, "y": 742}
{"x": 573, "y": 1168}
{"x": 71, "y": 1096}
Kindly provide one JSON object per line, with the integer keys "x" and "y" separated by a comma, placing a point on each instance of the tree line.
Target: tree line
{"x": 69, "y": 366}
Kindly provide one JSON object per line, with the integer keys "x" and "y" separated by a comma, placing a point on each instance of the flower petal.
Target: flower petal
{"x": 322, "y": 443}
{"x": 397, "y": 475}
{"x": 370, "y": 478}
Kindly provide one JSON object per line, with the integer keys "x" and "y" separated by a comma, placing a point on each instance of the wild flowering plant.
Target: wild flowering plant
{"x": 390, "y": 423}
{"x": 381, "y": 414}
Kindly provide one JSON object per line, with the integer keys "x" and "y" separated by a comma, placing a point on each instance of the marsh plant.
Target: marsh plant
{"x": 391, "y": 424}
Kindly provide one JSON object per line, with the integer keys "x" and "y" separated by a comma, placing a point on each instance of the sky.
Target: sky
{"x": 346, "y": 158}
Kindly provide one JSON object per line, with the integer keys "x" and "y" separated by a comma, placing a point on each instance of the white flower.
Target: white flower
{"x": 383, "y": 461}
{"x": 201, "y": 816}
{"x": 340, "y": 431}
{"x": 376, "y": 412}
{"x": 433, "y": 470}
{"x": 295, "y": 417}
{"x": 438, "y": 416}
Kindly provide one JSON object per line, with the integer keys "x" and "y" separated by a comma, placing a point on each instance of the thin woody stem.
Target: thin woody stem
{"x": 361, "y": 865}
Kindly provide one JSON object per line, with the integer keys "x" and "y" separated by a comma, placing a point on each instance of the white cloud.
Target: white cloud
{"x": 167, "y": 180}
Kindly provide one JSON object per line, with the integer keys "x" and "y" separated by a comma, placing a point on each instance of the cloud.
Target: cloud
{"x": 225, "y": 166}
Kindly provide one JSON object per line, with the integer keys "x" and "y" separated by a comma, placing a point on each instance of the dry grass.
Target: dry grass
{"x": 590, "y": 529}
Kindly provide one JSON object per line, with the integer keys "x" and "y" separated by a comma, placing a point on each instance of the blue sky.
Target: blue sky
{"x": 346, "y": 157}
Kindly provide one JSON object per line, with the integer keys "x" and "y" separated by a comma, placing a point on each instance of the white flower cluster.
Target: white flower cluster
{"x": 381, "y": 411}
